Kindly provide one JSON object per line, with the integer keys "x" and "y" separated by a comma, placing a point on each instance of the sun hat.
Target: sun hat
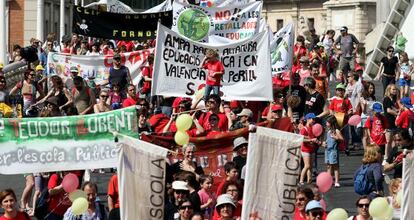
{"x": 313, "y": 205}
{"x": 225, "y": 199}
{"x": 180, "y": 185}
{"x": 239, "y": 142}
{"x": 246, "y": 112}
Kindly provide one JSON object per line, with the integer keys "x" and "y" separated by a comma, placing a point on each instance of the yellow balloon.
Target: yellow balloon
{"x": 399, "y": 197}
{"x": 184, "y": 122}
{"x": 200, "y": 93}
{"x": 389, "y": 213}
{"x": 77, "y": 194}
{"x": 337, "y": 214}
{"x": 378, "y": 207}
{"x": 79, "y": 206}
{"x": 181, "y": 138}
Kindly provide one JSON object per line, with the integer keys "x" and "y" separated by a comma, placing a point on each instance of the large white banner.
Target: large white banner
{"x": 272, "y": 170}
{"x": 96, "y": 66}
{"x": 407, "y": 202}
{"x": 223, "y": 3}
{"x": 234, "y": 21}
{"x": 165, "y": 6}
{"x": 141, "y": 171}
{"x": 282, "y": 49}
{"x": 114, "y": 6}
{"x": 177, "y": 71}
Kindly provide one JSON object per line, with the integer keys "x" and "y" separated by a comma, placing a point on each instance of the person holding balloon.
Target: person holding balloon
{"x": 333, "y": 138}
{"x": 376, "y": 125}
{"x": 59, "y": 185}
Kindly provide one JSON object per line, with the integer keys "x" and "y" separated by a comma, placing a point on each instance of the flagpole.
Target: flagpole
{"x": 62, "y": 19}
{"x": 40, "y": 19}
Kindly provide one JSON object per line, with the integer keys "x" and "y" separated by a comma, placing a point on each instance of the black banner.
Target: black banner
{"x": 141, "y": 27}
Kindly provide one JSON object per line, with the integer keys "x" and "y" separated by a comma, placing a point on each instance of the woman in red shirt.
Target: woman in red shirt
{"x": 308, "y": 147}
{"x": 9, "y": 205}
{"x": 406, "y": 115}
{"x": 215, "y": 72}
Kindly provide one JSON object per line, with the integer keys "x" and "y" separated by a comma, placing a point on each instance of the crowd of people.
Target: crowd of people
{"x": 305, "y": 100}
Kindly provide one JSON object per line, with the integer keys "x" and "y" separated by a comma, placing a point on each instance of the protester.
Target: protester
{"x": 299, "y": 51}
{"x": 58, "y": 200}
{"x": 304, "y": 70}
{"x": 207, "y": 196}
{"x": 404, "y": 74}
{"x": 333, "y": 137}
{"x": 394, "y": 187}
{"x": 388, "y": 69}
{"x": 147, "y": 72}
{"x": 405, "y": 116}
{"x": 63, "y": 95}
{"x": 362, "y": 205}
{"x": 366, "y": 103}
{"x": 186, "y": 209}
{"x": 215, "y": 70}
{"x": 83, "y": 97}
{"x": 402, "y": 140}
{"x": 240, "y": 147}
{"x": 118, "y": 74}
{"x": 391, "y": 110}
{"x": 314, "y": 210}
{"x": 245, "y": 117}
{"x": 8, "y": 202}
{"x": 225, "y": 207}
{"x": 348, "y": 45}
{"x": 376, "y": 127}
{"x": 188, "y": 164}
{"x": 372, "y": 162}
{"x": 131, "y": 97}
{"x": 232, "y": 174}
{"x": 181, "y": 192}
{"x": 314, "y": 100}
{"x": 303, "y": 196}
{"x": 308, "y": 148}
{"x": 193, "y": 186}
{"x": 213, "y": 107}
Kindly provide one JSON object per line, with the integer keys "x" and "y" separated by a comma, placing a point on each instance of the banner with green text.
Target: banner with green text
{"x": 32, "y": 145}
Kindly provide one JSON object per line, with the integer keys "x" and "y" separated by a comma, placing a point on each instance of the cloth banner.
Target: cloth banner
{"x": 117, "y": 26}
{"x": 165, "y": 6}
{"x": 408, "y": 188}
{"x": 177, "y": 69}
{"x": 223, "y": 3}
{"x": 141, "y": 171}
{"x": 113, "y": 6}
{"x": 96, "y": 66}
{"x": 272, "y": 172}
{"x": 282, "y": 49}
{"x": 33, "y": 145}
{"x": 235, "y": 21}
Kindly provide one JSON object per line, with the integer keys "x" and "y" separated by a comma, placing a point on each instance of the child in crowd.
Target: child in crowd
{"x": 115, "y": 97}
{"x": 215, "y": 70}
{"x": 207, "y": 196}
{"x": 304, "y": 70}
{"x": 308, "y": 147}
{"x": 404, "y": 75}
{"x": 394, "y": 188}
{"x": 333, "y": 138}
{"x": 376, "y": 126}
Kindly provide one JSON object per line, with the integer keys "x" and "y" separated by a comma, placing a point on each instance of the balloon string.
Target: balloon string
{"x": 51, "y": 211}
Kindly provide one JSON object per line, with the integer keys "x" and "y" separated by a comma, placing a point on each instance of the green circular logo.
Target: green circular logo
{"x": 194, "y": 24}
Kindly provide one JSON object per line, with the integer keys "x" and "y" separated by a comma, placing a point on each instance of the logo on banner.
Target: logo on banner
{"x": 194, "y": 24}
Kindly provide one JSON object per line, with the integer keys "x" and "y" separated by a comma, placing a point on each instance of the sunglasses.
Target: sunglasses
{"x": 181, "y": 191}
{"x": 2, "y": 81}
{"x": 301, "y": 199}
{"x": 391, "y": 51}
{"x": 186, "y": 207}
{"x": 209, "y": 101}
{"x": 316, "y": 213}
{"x": 104, "y": 96}
{"x": 363, "y": 205}
{"x": 181, "y": 106}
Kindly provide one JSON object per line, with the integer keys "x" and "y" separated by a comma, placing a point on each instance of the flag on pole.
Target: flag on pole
{"x": 141, "y": 171}
{"x": 408, "y": 188}
{"x": 281, "y": 48}
{"x": 272, "y": 172}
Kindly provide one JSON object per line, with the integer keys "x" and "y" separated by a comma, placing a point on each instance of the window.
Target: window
{"x": 279, "y": 24}
{"x": 311, "y": 23}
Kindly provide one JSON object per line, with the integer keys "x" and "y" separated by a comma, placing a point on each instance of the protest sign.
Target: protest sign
{"x": 141, "y": 171}
{"x": 141, "y": 27}
{"x": 281, "y": 49}
{"x": 407, "y": 187}
{"x": 95, "y": 66}
{"x": 272, "y": 173}
{"x": 177, "y": 69}
{"x": 33, "y": 145}
{"x": 235, "y": 21}
{"x": 223, "y": 3}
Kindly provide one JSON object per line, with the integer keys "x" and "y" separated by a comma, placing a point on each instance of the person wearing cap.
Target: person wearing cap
{"x": 304, "y": 70}
{"x": 244, "y": 119}
{"x": 376, "y": 125}
{"x": 118, "y": 74}
{"x": 314, "y": 210}
{"x": 240, "y": 147}
{"x": 348, "y": 45}
{"x": 308, "y": 147}
{"x": 225, "y": 207}
{"x": 180, "y": 192}
{"x": 388, "y": 69}
{"x": 315, "y": 102}
{"x": 406, "y": 115}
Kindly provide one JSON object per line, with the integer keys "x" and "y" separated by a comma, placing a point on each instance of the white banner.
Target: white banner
{"x": 407, "y": 200}
{"x": 114, "y": 6}
{"x": 282, "y": 49}
{"x": 165, "y": 6}
{"x": 272, "y": 170}
{"x": 96, "y": 66}
{"x": 223, "y": 3}
{"x": 215, "y": 39}
{"x": 141, "y": 171}
{"x": 235, "y": 21}
{"x": 177, "y": 71}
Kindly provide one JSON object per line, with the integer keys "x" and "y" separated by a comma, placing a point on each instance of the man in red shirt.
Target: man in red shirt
{"x": 406, "y": 115}
{"x": 376, "y": 126}
{"x": 147, "y": 77}
{"x": 215, "y": 72}
{"x": 213, "y": 106}
{"x": 131, "y": 97}
{"x": 113, "y": 198}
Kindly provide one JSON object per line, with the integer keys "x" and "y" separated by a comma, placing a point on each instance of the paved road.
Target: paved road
{"x": 343, "y": 197}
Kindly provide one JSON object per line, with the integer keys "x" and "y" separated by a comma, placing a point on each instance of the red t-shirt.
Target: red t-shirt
{"x": 307, "y": 147}
{"x": 337, "y": 105}
{"x": 377, "y": 125}
{"x": 297, "y": 215}
{"x": 19, "y": 216}
{"x": 158, "y": 122}
{"x": 213, "y": 67}
{"x": 147, "y": 71}
{"x": 59, "y": 203}
{"x": 113, "y": 190}
{"x": 223, "y": 121}
{"x": 403, "y": 121}
{"x": 129, "y": 102}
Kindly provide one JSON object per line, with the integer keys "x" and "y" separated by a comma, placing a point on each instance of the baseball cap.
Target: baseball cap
{"x": 344, "y": 28}
{"x": 340, "y": 86}
{"x": 225, "y": 199}
{"x": 239, "y": 142}
{"x": 74, "y": 69}
{"x": 117, "y": 57}
{"x": 277, "y": 108}
{"x": 246, "y": 112}
{"x": 377, "y": 107}
{"x": 179, "y": 185}
{"x": 313, "y": 205}
{"x": 39, "y": 67}
{"x": 310, "y": 116}
{"x": 406, "y": 101}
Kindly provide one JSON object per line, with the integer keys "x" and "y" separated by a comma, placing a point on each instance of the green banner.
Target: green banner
{"x": 30, "y": 145}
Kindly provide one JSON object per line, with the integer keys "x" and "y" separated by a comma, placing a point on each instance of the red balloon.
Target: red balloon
{"x": 317, "y": 130}
{"x": 70, "y": 182}
{"x": 354, "y": 120}
{"x": 324, "y": 182}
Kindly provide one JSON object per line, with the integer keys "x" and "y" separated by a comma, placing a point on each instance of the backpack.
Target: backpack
{"x": 42, "y": 204}
{"x": 362, "y": 185}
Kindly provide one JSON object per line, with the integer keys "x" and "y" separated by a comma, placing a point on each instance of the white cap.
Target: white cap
{"x": 179, "y": 185}
{"x": 238, "y": 142}
{"x": 225, "y": 199}
{"x": 246, "y": 112}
